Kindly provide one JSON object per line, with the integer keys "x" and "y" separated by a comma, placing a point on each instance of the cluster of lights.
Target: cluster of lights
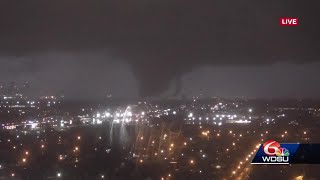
{"x": 167, "y": 150}
{"x": 205, "y": 133}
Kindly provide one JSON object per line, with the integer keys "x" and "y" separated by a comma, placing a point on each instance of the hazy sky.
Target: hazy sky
{"x": 150, "y": 48}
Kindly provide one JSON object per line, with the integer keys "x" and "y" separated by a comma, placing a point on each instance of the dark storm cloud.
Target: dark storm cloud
{"x": 161, "y": 40}
{"x": 81, "y": 76}
{"x": 279, "y": 80}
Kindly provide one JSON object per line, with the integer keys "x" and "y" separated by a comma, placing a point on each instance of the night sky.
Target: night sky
{"x": 145, "y": 48}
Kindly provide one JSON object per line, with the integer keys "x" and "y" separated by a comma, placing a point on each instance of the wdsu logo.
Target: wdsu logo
{"x": 272, "y": 152}
{"x": 275, "y": 153}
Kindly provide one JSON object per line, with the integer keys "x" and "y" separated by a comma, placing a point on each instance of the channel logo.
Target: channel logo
{"x": 275, "y": 153}
{"x": 272, "y": 148}
{"x": 272, "y": 152}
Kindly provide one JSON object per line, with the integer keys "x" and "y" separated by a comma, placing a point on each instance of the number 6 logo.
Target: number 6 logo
{"x": 271, "y": 147}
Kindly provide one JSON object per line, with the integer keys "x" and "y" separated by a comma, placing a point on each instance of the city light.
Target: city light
{"x": 183, "y": 139}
